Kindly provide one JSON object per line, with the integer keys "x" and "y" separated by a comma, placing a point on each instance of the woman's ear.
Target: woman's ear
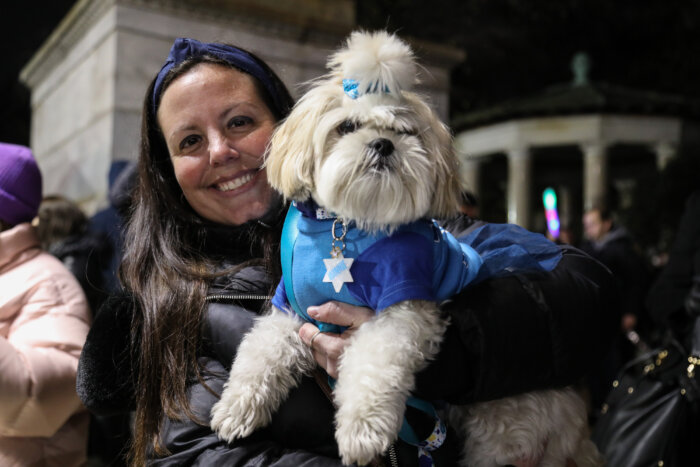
{"x": 292, "y": 154}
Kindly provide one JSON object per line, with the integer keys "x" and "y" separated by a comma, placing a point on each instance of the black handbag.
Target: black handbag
{"x": 650, "y": 417}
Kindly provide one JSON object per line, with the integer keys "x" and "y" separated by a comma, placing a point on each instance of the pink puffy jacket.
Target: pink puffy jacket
{"x": 44, "y": 319}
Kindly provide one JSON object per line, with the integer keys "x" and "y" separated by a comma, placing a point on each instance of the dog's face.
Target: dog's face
{"x": 376, "y": 160}
{"x": 363, "y": 146}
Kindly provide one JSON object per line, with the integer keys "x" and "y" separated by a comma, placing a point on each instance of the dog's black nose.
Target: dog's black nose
{"x": 382, "y": 146}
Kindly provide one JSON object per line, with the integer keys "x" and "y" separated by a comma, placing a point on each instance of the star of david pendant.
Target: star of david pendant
{"x": 338, "y": 269}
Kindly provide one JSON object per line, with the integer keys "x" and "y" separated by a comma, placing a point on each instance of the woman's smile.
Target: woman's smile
{"x": 238, "y": 181}
{"x": 217, "y": 128}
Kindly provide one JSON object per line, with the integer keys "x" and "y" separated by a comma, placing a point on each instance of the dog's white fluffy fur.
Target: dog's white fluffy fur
{"x": 334, "y": 149}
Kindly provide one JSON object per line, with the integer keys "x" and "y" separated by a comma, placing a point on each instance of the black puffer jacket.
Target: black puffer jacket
{"x": 506, "y": 336}
{"x": 618, "y": 253}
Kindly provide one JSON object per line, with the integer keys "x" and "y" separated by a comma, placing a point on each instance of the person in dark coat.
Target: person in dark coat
{"x": 108, "y": 223}
{"x": 613, "y": 246}
{"x": 674, "y": 299}
{"x": 62, "y": 229}
{"x": 201, "y": 261}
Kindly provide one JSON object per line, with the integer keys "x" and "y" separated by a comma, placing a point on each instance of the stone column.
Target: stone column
{"x": 565, "y": 206}
{"x": 519, "y": 184}
{"x": 595, "y": 174}
{"x": 469, "y": 174}
{"x": 665, "y": 151}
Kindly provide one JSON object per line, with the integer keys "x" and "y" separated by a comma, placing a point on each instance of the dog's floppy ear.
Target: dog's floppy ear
{"x": 295, "y": 145}
{"x": 438, "y": 141}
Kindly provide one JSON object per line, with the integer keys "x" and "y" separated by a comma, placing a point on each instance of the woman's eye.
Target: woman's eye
{"x": 236, "y": 122}
{"x": 188, "y": 141}
{"x": 348, "y": 126}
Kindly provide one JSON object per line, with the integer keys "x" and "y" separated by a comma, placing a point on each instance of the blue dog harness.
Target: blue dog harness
{"x": 419, "y": 261}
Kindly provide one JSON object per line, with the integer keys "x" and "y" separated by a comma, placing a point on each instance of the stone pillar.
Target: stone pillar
{"x": 595, "y": 174}
{"x": 519, "y": 184}
{"x": 469, "y": 174}
{"x": 565, "y": 205}
{"x": 665, "y": 151}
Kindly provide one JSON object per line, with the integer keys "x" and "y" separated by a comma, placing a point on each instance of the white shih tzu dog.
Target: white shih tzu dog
{"x": 368, "y": 164}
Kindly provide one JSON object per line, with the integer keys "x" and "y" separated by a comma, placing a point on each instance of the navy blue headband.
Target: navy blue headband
{"x": 184, "y": 48}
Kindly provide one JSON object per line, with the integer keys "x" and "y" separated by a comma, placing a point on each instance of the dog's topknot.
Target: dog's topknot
{"x": 377, "y": 61}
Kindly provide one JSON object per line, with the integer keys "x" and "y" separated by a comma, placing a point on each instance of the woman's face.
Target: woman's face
{"x": 216, "y": 127}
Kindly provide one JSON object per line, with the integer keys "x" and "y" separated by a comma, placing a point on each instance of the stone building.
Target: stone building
{"x": 88, "y": 79}
{"x": 583, "y": 138}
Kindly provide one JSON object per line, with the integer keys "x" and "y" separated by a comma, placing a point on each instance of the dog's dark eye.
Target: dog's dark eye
{"x": 408, "y": 132}
{"x": 348, "y": 126}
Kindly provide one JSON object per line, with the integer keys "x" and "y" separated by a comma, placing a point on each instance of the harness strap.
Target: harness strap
{"x": 433, "y": 441}
{"x": 290, "y": 232}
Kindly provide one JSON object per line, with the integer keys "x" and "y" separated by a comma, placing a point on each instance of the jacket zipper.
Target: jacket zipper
{"x": 214, "y": 297}
{"x": 393, "y": 459}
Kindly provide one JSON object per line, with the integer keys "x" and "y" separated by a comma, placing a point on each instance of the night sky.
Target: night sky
{"x": 517, "y": 47}
{"x": 25, "y": 26}
{"x": 513, "y": 47}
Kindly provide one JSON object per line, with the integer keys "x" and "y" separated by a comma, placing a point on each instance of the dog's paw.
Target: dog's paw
{"x": 238, "y": 414}
{"x": 361, "y": 440}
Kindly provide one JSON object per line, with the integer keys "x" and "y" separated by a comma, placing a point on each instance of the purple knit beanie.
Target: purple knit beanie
{"x": 20, "y": 184}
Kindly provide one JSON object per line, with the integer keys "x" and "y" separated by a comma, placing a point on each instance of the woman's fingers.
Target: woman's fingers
{"x": 342, "y": 314}
{"x": 329, "y": 365}
{"x": 307, "y": 332}
{"x": 327, "y": 347}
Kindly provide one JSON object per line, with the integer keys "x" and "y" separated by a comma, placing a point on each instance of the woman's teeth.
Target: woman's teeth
{"x": 235, "y": 183}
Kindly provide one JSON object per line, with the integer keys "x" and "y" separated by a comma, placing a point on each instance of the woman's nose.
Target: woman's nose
{"x": 221, "y": 150}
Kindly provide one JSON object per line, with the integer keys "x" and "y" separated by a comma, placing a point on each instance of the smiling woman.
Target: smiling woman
{"x": 202, "y": 258}
{"x": 216, "y": 128}
{"x": 204, "y": 229}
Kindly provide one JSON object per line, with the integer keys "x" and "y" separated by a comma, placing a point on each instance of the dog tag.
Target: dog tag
{"x": 338, "y": 269}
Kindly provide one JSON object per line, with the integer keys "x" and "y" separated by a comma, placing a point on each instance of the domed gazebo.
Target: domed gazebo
{"x": 574, "y": 128}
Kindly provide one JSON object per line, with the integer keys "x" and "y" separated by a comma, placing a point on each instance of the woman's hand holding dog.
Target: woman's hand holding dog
{"x": 328, "y": 347}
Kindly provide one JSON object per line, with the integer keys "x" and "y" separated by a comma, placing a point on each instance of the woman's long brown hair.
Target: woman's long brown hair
{"x": 164, "y": 267}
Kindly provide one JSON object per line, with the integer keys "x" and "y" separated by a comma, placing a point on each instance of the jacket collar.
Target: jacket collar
{"x": 15, "y": 242}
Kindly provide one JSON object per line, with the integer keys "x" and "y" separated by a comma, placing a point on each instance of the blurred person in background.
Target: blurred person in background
{"x": 612, "y": 245}
{"x": 63, "y": 231}
{"x": 109, "y": 222}
{"x": 44, "y": 320}
{"x": 567, "y": 235}
{"x": 468, "y": 204}
{"x": 62, "y": 228}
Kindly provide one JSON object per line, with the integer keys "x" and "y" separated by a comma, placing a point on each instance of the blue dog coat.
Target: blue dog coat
{"x": 419, "y": 261}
